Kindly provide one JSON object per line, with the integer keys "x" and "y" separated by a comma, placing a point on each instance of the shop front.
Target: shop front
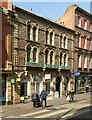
{"x": 25, "y": 86}
{"x": 3, "y": 85}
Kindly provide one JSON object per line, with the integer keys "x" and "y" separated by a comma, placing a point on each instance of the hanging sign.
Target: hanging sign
{"x": 77, "y": 74}
{"x": 47, "y": 76}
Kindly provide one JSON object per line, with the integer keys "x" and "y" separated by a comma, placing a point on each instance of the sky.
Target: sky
{"x": 50, "y": 10}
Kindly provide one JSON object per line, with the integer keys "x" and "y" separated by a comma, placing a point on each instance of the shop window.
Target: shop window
{"x": 24, "y": 85}
{"x": 23, "y": 89}
{"x": 37, "y": 81}
{"x": 3, "y": 90}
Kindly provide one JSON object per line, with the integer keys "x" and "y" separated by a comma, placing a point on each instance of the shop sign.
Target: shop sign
{"x": 76, "y": 74}
{"x": 47, "y": 76}
{"x": 17, "y": 79}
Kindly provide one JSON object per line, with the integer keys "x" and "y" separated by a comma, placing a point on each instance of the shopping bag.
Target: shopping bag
{"x": 68, "y": 98}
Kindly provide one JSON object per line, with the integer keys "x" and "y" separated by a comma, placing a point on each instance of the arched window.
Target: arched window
{"x": 61, "y": 58}
{"x": 61, "y": 41}
{"x": 28, "y": 53}
{"x": 79, "y": 60}
{"x": 46, "y": 56}
{"x": 34, "y": 55}
{"x": 64, "y": 42}
{"x": 90, "y": 63}
{"x": 47, "y": 36}
{"x": 65, "y": 60}
{"x": 28, "y": 32}
{"x": 51, "y": 57}
{"x": 34, "y": 33}
{"x": 85, "y": 62}
{"x": 51, "y": 38}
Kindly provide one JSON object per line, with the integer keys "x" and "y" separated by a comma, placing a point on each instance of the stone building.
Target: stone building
{"x": 42, "y": 56}
{"x": 81, "y": 22}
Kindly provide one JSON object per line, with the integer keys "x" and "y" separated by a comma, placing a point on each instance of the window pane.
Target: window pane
{"x": 34, "y": 34}
{"x": 28, "y": 54}
{"x": 34, "y": 55}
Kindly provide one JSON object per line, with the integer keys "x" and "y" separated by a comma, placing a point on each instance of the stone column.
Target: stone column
{"x": 17, "y": 92}
{"x": 62, "y": 87}
{"x": 53, "y": 87}
{"x": 8, "y": 90}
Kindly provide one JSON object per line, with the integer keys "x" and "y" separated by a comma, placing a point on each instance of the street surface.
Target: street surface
{"x": 79, "y": 110}
{"x": 76, "y": 109}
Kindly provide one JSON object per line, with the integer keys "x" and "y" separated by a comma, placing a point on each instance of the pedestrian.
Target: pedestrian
{"x": 68, "y": 96}
{"x": 72, "y": 95}
{"x": 35, "y": 99}
{"x": 87, "y": 89}
{"x": 43, "y": 96}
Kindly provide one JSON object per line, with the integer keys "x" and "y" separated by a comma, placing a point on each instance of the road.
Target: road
{"x": 70, "y": 110}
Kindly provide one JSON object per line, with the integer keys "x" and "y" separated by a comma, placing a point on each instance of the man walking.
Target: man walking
{"x": 43, "y": 96}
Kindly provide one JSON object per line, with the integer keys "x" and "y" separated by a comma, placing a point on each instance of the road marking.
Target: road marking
{"x": 13, "y": 117}
{"x": 52, "y": 113}
{"x": 29, "y": 114}
{"x": 77, "y": 113}
{"x": 70, "y": 114}
{"x": 82, "y": 101}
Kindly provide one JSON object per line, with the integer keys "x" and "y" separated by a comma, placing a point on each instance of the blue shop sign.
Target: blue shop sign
{"x": 77, "y": 74}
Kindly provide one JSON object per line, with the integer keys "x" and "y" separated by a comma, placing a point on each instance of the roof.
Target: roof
{"x": 82, "y": 10}
{"x": 48, "y": 20}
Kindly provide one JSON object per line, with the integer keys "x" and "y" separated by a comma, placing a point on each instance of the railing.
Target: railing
{"x": 33, "y": 64}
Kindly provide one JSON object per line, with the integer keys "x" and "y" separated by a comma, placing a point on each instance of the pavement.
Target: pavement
{"x": 51, "y": 102}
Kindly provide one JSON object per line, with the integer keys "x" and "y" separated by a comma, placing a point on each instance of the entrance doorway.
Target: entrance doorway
{"x": 58, "y": 80}
{"x": 37, "y": 81}
{"x": 24, "y": 86}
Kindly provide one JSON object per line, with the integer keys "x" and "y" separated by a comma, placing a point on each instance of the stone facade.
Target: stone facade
{"x": 39, "y": 58}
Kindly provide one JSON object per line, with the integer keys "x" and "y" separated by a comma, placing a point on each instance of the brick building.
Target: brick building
{"x": 5, "y": 48}
{"x": 81, "y": 22}
{"x": 42, "y": 54}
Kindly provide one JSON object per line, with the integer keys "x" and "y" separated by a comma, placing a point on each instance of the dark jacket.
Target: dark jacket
{"x": 43, "y": 94}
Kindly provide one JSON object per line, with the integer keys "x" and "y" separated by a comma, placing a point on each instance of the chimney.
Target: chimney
{"x": 30, "y": 10}
{"x": 10, "y": 5}
{"x": 6, "y": 4}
